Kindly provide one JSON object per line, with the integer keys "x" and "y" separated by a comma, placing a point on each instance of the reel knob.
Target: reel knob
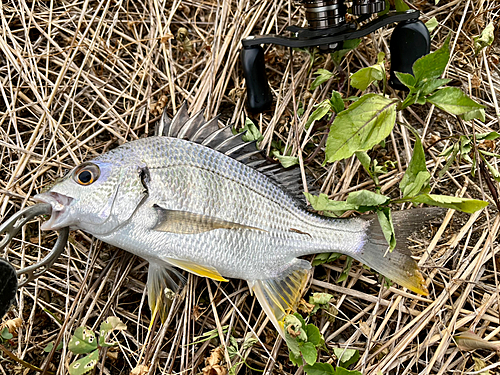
{"x": 410, "y": 41}
{"x": 8, "y": 286}
{"x": 259, "y": 96}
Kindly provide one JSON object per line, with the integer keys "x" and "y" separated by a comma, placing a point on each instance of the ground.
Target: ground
{"x": 80, "y": 78}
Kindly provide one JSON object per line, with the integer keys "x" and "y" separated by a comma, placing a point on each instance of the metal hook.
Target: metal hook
{"x": 12, "y": 226}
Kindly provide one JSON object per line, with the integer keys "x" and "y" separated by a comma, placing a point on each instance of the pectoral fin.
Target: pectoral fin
{"x": 185, "y": 222}
{"x": 280, "y": 296}
{"x": 164, "y": 281}
{"x": 205, "y": 271}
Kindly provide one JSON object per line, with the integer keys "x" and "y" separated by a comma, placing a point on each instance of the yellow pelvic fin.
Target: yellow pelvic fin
{"x": 280, "y": 296}
{"x": 185, "y": 222}
{"x": 197, "y": 269}
{"x": 164, "y": 282}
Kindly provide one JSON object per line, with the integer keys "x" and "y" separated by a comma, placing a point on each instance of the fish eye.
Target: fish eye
{"x": 86, "y": 174}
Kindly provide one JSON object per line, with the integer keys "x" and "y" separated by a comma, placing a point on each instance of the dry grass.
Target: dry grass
{"x": 79, "y": 78}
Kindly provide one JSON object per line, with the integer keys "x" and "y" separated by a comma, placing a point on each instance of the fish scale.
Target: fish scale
{"x": 182, "y": 204}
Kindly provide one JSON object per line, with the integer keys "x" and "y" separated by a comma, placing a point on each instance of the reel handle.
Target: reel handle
{"x": 410, "y": 41}
{"x": 8, "y": 286}
{"x": 259, "y": 96}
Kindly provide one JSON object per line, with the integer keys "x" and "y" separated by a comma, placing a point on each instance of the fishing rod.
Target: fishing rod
{"x": 328, "y": 29}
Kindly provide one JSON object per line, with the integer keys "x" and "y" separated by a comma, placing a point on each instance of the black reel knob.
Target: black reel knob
{"x": 259, "y": 96}
{"x": 8, "y": 286}
{"x": 410, "y": 41}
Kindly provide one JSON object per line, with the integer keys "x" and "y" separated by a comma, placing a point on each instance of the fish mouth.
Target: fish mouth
{"x": 59, "y": 204}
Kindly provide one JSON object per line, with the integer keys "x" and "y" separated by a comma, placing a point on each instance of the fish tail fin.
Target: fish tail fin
{"x": 164, "y": 282}
{"x": 279, "y": 296}
{"x": 397, "y": 265}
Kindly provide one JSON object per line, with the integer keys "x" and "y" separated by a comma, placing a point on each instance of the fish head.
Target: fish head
{"x": 97, "y": 196}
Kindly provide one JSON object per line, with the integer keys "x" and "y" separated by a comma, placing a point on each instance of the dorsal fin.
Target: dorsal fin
{"x": 221, "y": 138}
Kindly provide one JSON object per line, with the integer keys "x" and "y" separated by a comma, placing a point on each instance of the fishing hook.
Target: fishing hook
{"x": 12, "y": 226}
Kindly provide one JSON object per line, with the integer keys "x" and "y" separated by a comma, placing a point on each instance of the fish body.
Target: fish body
{"x": 175, "y": 202}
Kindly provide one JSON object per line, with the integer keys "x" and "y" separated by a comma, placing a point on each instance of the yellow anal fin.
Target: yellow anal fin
{"x": 164, "y": 282}
{"x": 280, "y": 296}
{"x": 197, "y": 269}
{"x": 185, "y": 222}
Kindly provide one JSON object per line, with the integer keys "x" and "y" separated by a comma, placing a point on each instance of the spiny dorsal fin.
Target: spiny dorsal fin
{"x": 221, "y": 138}
{"x": 279, "y": 296}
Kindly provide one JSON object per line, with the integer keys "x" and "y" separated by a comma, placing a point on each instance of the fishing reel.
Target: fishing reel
{"x": 328, "y": 29}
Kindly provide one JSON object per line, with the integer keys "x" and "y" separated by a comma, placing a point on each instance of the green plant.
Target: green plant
{"x": 235, "y": 351}
{"x": 354, "y": 130}
{"x": 305, "y": 340}
{"x": 84, "y": 341}
{"x": 5, "y": 335}
{"x": 371, "y": 118}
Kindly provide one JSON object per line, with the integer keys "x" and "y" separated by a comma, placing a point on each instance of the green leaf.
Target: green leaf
{"x": 252, "y": 133}
{"x": 343, "y": 371}
{"x": 366, "y": 198}
{"x": 460, "y": 204}
{"x": 295, "y": 324}
{"x": 325, "y": 258}
{"x": 322, "y": 203}
{"x": 477, "y": 113}
{"x": 336, "y": 102}
{"x": 494, "y": 172}
{"x": 85, "y": 364}
{"x": 110, "y": 324}
{"x": 293, "y": 346}
{"x": 348, "y": 45}
{"x": 321, "y": 298}
{"x": 401, "y": 6}
{"x": 346, "y": 270}
{"x": 321, "y": 111}
{"x": 490, "y": 136}
{"x": 83, "y": 341}
{"x": 406, "y": 79}
{"x": 309, "y": 353}
{"x": 385, "y": 220}
{"x": 364, "y": 159}
{"x": 366, "y": 76}
{"x": 416, "y": 177}
{"x": 249, "y": 341}
{"x": 360, "y": 127}
{"x": 485, "y": 39}
{"x": 319, "y": 369}
{"x": 49, "y": 347}
{"x": 232, "y": 349}
{"x": 323, "y": 76}
{"x": 313, "y": 333}
{"x": 431, "y": 24}
{"x": 454, "y": 101}
{"x": 5, "y": 334}
{"x": 286, "y": 161}
{"x": 347, "y": 357}
{"x": 295, "y": 359}
{"x": 432, "y": 66}
{"x": 427, "y": 86}
{"x": 419, "y": 185}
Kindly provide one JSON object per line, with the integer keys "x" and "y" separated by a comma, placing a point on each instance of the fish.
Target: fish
{"x": 199, "y": 198}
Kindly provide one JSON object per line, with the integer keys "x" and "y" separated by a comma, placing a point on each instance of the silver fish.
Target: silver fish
{"x": 199, "y": 205}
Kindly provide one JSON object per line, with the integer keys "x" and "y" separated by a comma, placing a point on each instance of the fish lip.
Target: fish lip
{"x": 59, "y": 204}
